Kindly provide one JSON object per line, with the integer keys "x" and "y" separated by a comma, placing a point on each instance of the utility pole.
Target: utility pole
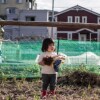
{"x": 52, "y": 34}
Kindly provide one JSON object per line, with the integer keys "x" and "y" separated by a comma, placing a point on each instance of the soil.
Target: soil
{"x": 32, "y": 91}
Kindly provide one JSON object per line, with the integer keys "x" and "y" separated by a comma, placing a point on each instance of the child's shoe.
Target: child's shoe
{"x": 44, "y": 93}
{"x": 52, "y": 93}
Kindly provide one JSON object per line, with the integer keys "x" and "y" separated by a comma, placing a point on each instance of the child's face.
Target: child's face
{"x": 51, "y": 48}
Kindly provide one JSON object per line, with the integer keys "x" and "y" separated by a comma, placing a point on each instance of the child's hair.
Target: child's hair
{"x": 46, "y": 43}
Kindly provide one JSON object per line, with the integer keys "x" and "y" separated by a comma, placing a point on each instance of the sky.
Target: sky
{"x": 60, "y": 5}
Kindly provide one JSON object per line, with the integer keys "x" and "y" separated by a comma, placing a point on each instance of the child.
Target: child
{"x": 46, "y": 60}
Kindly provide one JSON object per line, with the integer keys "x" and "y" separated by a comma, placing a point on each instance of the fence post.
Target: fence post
{"x": 58, "y": 46}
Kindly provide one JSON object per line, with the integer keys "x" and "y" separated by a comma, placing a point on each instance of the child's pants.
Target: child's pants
{"x": 49, "y": 80}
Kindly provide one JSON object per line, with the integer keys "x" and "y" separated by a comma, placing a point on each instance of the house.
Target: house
{"x": 12, "y": 6}
{"x": 78, "y": 14}
{"x": 28, "y": 32}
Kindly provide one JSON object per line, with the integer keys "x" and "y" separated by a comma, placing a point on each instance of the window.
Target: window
{"x": 30, "y": 18}
{"x": 11, "y": 10}
{"x": 69, "y": 19}
{"x": 15, "y": 19}
{"x": 29, "y": 0}
{"x": 55, "y": 19}
{"x": 82, "y": 37}
{"x": 77, "y": 19}
{"x": 18, "y": 1}
{"x": 3, "y": 1}
{"x": 84, "y": 19}
{"x": 98, "y": 20}
{"x": 69, "y": 36}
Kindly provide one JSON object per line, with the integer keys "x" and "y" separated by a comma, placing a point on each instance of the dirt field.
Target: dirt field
{"x": 65, "y": 90}
{"x": 24, "y": 90}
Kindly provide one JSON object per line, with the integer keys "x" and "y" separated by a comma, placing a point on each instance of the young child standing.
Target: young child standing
{"x": 47, "y": 71}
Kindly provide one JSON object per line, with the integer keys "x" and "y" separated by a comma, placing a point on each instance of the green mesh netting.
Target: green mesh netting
{"x": 28, "y": 50}
{"x": 18, "y": 58}
{"x": 74, "y": 48}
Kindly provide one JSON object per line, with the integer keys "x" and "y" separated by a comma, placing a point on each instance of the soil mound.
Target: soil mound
{"x": 80, "y": 78}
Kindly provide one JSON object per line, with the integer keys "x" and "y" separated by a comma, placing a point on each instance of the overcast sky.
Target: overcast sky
{"x": 60, "y": 5}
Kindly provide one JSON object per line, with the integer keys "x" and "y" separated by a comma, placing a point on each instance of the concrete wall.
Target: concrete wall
{"x": 12, "y": 32}
{"x": 12, "y": 3}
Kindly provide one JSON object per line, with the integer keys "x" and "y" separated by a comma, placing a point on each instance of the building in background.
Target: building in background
{"x": 78, "y": 14}
{"x": 24, "y": 10}
{"x": 28, "y": 32}
{"x": 13, "y": 6}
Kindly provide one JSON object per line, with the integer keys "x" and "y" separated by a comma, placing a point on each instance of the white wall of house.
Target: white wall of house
{"x": 12, "y": 32}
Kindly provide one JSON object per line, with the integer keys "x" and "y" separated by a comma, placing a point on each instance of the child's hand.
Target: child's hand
{"x": 62, "y": 57}
{"x": 59, "y": 57}
{"x": 41, "y": 63}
